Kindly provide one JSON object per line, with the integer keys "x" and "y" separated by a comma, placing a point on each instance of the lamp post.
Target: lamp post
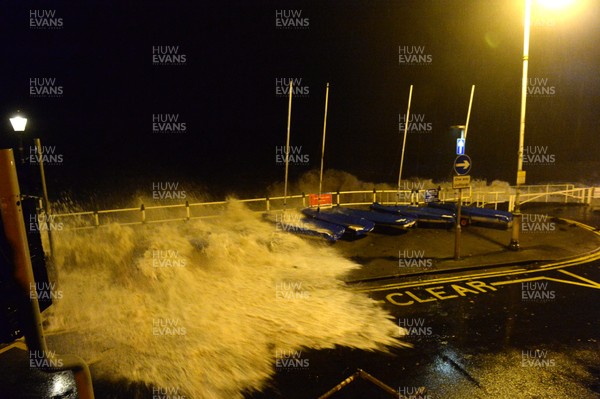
{"x": 516, "y": 229}
{"x": 514, "y": 240}
{"x": 18, "y": 123}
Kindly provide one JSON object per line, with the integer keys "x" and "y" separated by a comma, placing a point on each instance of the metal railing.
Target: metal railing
{"x": 145, "y": 214}
{"x": 582, "y": 195}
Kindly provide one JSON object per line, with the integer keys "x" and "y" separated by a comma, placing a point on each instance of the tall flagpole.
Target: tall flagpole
{"x": 287, "y": 147}
{"x": 404, "y": 141}
{"x": 323, "y": 147}
{"x": 469, "y": 112}
{"x": 457, "y": 227}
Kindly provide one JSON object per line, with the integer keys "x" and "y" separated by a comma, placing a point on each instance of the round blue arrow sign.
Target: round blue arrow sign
{"x": 462, "y": 164}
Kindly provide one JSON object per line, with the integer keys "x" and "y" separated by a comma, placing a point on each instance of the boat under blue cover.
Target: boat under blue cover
{"x": 379, "y": 218}
{"x": 473, "y": 213}
{"x": 422, "y": 214}
{"x": 353, "y": 224}
{"x": 321, "y": 228}
{"x": 302, "y": 225}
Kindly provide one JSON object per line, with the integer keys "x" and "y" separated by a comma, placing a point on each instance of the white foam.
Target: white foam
{"x": 230, "y": 292}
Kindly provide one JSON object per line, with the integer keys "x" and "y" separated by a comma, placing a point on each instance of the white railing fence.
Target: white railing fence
{"x": 564, "y": 193}
{"x": 569, "y": 194}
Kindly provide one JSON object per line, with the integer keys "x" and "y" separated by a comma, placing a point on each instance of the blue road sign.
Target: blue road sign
{"x": 460, "y": 146}
{"x": 462, "y": 164}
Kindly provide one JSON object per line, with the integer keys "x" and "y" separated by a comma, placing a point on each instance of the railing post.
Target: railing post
{"x": 338, "y": 198}
{"x": 143, "y": 210}
{"x": 374, "y": 196}
{"x": 187, "y": 210}
{"x": 304, "y": 200}
{"x": 96, "y": 219}
{"x": 267, "y": 203}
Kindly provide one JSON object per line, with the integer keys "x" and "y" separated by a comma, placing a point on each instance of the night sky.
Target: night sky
{"x": 100, "y": 55}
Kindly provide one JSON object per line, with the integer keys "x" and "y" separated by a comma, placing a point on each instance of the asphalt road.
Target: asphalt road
{"x": 522, "y": 331}
{"x": 517, "y": 332}
{"x": 511, "y": 333}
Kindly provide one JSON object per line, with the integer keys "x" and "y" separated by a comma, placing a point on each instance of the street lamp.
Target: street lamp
{"x": 18, "y": 123}
{"x": 555, "y": 4}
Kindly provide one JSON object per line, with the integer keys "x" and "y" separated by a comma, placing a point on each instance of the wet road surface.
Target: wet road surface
{"x": 497, "y": 337}
{"x": 523, "y": 331}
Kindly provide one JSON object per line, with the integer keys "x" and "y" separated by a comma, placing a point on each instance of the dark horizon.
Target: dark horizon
{"x": 225, "y": 91}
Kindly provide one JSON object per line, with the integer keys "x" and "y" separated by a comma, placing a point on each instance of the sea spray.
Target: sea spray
{"x": 209, "y": 326}
{"x": 337, "y": 180}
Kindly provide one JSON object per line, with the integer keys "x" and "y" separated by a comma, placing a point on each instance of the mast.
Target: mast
{"x": 323, "y": 148}
{"x": 287, "y": 147}
{"x": 404, "y": 141}
{"x": 469, "y": 113}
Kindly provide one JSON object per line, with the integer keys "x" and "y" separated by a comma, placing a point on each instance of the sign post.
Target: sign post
{"x": 462, "y": 166}
{"x": 458, "y": 227}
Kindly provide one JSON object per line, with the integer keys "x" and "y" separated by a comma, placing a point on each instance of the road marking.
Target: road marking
{"x": 447, "y": 287}
{"x": 549, "y": 266}
{"x": 19, "y": 344}
{"x": 487, "y": 275}
{"x": 592, "y": 284}
{"x": 419, "y": 294}
{"x": 439, "y": 293}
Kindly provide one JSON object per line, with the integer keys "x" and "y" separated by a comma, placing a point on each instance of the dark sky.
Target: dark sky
{"x": 225, "y": 91}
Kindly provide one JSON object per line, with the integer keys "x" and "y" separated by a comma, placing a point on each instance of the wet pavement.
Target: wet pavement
{"x": 494, "y": 324}
{"x": 497, "y": 344}
{"x": 547, "y": 235}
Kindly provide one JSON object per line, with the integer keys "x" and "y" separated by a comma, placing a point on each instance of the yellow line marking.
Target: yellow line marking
{"x": 433, "y": 281}
{"x": 594, "y": 283}
{"x": 521, "y": 280}
{"x": 549, "y": 266}
{"x": 573, "y": 283}
{"x": 19, "y": 344}
{"x": 583, "y": 226}
{"x": 558, "y": 280}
